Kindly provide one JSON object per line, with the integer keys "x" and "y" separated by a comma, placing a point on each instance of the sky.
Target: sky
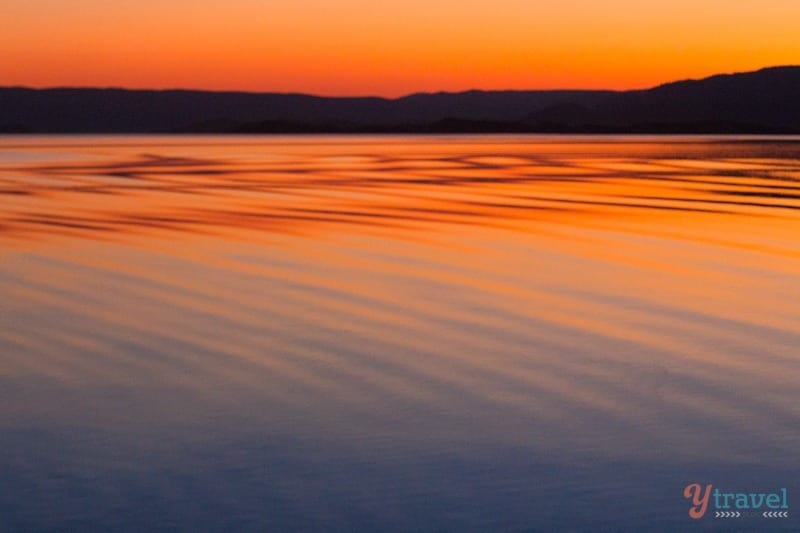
{"x": 389, "y": 47}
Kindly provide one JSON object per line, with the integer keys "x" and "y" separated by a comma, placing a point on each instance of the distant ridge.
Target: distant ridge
{"x": 764, "y": 101}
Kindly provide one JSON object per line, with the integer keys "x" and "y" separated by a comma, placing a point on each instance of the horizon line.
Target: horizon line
{"x": 378, "y": 97}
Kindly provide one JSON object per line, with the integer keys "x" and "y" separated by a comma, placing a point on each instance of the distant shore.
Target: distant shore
{"x": 760, "y": 102}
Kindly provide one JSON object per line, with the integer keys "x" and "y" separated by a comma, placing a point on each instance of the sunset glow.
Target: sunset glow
{"x": 389, "y": 47}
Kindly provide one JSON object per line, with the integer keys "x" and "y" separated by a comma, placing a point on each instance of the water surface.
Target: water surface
{"x": 395, "y": 333}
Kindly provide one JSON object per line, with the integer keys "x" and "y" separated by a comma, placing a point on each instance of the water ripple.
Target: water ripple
{"x": 518, "y": 317}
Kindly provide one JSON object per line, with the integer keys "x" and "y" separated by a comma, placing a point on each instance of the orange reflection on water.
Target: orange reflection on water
{"x": 646, "y": 284}
{"x": 95, "y": 186}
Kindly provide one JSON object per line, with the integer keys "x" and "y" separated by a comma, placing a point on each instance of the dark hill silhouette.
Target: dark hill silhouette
{"x": 120, "y": 110}
{"x": 564, "y": 116}
{"x": 767, "y": 99}
{"x": 763, "y": 101}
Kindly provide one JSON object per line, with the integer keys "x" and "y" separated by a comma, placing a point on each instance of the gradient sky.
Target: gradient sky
{"x": 389, "y": 47}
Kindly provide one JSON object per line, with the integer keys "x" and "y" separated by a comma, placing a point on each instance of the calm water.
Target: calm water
{"x": 389, "y": 333}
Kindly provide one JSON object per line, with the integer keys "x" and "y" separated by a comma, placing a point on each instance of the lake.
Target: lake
{"x": 388, "y": 333}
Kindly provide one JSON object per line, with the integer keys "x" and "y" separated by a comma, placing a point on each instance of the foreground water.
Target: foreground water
{"x": 390, "y": 333}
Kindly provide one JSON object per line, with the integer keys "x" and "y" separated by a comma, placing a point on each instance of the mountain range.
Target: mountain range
{"x": 764, "y": 101}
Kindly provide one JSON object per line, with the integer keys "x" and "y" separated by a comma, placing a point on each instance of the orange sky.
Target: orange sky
{"x": 389, "y": 47}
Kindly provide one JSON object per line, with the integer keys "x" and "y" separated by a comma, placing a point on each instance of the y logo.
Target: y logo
{"x": 699, "y": 499}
